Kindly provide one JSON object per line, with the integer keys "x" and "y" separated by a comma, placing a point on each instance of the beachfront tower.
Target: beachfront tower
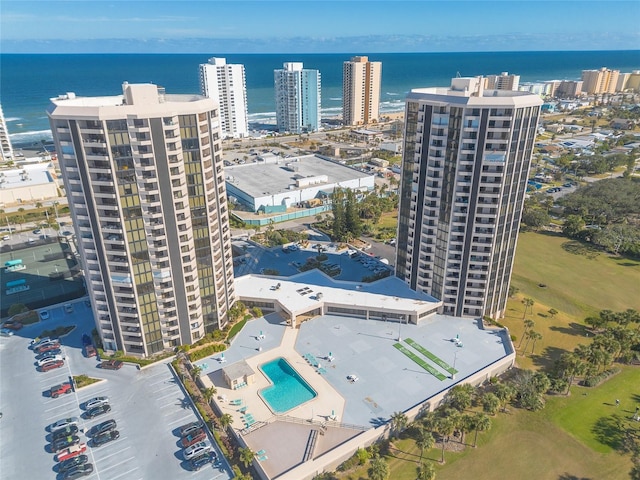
{"x": 226, "y": 84}
{"x": 6, "y": 150}
{"x": 600, "y": 81}
{"x": 298, "y": 98}
{"x": 465, "y": 165}
{"x": 143, "y": 175}
{"x": 361, "y": 91}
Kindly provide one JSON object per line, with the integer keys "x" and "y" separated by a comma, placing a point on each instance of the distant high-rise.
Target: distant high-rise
{"x": 144, "y": 179}
{"x": 226, "y": 84}
{"x": 5, "y": 143}
{"x": 600, "y": 81}
{"x": 361, "y": 91}
{"x": 464, "y": 176}
{"x": 504, "y": 81}
{"x": 298, "y": 98}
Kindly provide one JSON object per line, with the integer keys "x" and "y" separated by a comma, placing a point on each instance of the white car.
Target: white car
{"x": 65, "y": 422}
{"x": 196, "y": 450}
{"x": 53, "y": 358}
{"x": 95, "y": 402}
{"x": 35, "y": 343}
{"x": 44, "y": 315}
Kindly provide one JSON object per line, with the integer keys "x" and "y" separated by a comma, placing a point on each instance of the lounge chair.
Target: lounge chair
{"x": 259, "y": 453}
{"x": 262, "y": 458}
{"x": 236, "y": 402}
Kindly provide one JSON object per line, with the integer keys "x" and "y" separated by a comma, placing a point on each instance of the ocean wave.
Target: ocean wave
{"x": 33, "y": 136}
{"x": 12, "y": 119}
{"x": 393, "y": 94}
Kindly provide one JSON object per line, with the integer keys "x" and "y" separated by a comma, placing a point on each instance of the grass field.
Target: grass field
{"x": 571, "y": 438}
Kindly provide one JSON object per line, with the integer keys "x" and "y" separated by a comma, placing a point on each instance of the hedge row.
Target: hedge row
{"x": 207, "y": 351}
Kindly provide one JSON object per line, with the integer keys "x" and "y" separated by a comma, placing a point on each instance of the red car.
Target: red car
{"x": 197, "y": 436}
{"x": 71, "y": 452}
{"x": 61, "y": 389}
{"x": 89, "y": 351}
{"x": 51, "y": 365}
{"x": 46, "y": 347}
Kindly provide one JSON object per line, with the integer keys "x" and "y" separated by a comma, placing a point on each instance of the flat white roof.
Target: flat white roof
{"x": 299, "y": 293}
{"x": 26, "y": 176}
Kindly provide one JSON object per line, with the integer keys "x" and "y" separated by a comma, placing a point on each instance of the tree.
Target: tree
{"x": 208, "y": 393}
{"x": 553, "y": 312}
{"x": 460, "y": 397}
{"x": 528, "y": 325}
{"x": 196, "y": 371}
{"x": 490, "y": 403}
{"x": 445, "y": 427}
{"x": 246, "y": 456}
{"x": 535, "y": 336}
{"x": 535, "y": 218}
{"x": 426, "y": 471}
{"x": 226, "y": 421}
{"x": 528, "y": 303}
{"x": 482, "y": 424}
{"x": 573, "y": 226}
{"x": 17, "y": 308}
{"x": 424, "y": 440}
{"x": 398, "y": 422}
{"x": 378, "y": 469}
{"x": 505, "y": 393}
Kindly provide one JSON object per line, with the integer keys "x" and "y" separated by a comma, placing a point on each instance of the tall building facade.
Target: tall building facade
{"x": 144, "y": 178}
{"x": 465, "y": 165}
{"x": 6, "y": 150}
{"x": 504, "y": 81}
{"x": 298, "y": 98}
{"x": 361, "y": 91}
{"x": 226, "y": 84}
{"x": 600, "y": 81}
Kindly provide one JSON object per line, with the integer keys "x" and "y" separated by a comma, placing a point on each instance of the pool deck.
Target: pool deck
{"x": 388, "y": 381}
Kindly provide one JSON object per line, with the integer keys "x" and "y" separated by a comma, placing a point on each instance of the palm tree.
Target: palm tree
{"x": 226, "y": 420}
{"x": 208, "y": 393}
{"x": 528, "y": 325}
{"x": 553, "y": 312}
{"x": 482, "y": 424}
{"x": 246, "y": 456}
{"x": 460, "y": 397}
{"x": 528, "y": 303}
{"x": 536, "y": 336}
{"x": 398, "y": 422}
{"x": 445, "y": 427}
{"x": 426, "y": 471}
{"x": 378, "y": 469}
{"x": 424, "y": 440}
{"x": 505, "y": 394}
{"x": 196, "y": 371}
{"x": 490, "y": 403}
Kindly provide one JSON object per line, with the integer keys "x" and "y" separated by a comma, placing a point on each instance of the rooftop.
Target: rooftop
{"x": 28, "y": 175}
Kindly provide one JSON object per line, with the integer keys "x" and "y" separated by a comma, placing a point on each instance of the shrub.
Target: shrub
{"x": 206, "y": 351}
{"x": 595, "y": 380}
{"x": 256, "y": 311}
{"x": 513, "y": 338}
{"x": 362, "y": 456}
{"x": 236, "y": 328}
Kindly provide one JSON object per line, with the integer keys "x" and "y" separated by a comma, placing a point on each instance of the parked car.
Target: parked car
{"x": 79, "y": 472}
{"x": 189, "y": 428}
{"x": 50, "y": 354}
{"x": 200, "y": 461}
{"x": 89, "y": 351}
{"x": 65, "y": 422}
{"x": 6, "y": 332}
{"x": 12, "y": 325}
{"x": 103, "y": 427}
{"x": 51, "y": 365}
{"x": 64, "y": 442}
{"x": 195, "y": 437}
{"x": 64, "y": 432}
{"x": 61, "y": 389}
{"x": 86, "y": 339}
{"x": 46, "y": 358}
{"x": 72, "y": 452}
{"x": 68, "y": 307}
{"x": 112, "y": 364}
{"x": 46, "y": 347}
{"x": 99, "y": 410}
{"x": 44, "y": 314}
{"x": 95, "y": 402}
{"x": 105, "y": 438}
{"x": 36, "y": 342}
{"x": 72, "y": 462}
{"x": 196, "y": 450}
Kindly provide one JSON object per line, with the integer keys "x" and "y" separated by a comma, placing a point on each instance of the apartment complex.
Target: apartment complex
{"x": 298, "y": 98}
{"x": 361, "y": 91}
{"x": 504, "y": 81}
{"x": 226, "y": 84}
{"x": 6, "y": 150}
{"x": 143, "y": 174}
{"x": 466, "y": 160}
{"x": 569, "y": 89}
{"x": 600, "y": 81}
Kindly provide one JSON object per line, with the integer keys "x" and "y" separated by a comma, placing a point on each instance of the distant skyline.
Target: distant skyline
{"x": 313, "y": 26}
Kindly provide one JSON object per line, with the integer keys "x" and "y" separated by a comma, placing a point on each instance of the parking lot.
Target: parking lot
{"x": 148, "y": 405}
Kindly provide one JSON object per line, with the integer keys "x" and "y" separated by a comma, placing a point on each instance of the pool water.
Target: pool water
{"x": 288, "y": 390}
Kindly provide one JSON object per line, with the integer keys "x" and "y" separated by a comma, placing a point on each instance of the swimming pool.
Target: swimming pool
{"x": 288, "y": 390}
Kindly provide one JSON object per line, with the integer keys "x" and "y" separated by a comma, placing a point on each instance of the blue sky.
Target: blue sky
{"x": 312, "y": 26}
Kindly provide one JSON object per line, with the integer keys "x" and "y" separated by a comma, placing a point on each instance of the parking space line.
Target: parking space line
{"x": 112, "y": 454}
{"x": 162, "y": 381}
{"x": 125, "y": 473}
{"x": 165, "y": 388}
{"x": 102, "y": 470}
{"x": 170, "y": 394}
{"x": 181, "y": 419}
{"x": 59, "y": 406}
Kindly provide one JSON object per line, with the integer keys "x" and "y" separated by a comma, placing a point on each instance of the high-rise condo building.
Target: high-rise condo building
{"x": 144, "y": 179}
{"x": 6, "y": 150}
{"x": 600, "y": 81}
{"x": 226, "y": 84}
{"x": 504, "y": 81}
{"x": 466, "y": 159}
{"x": 298, "y": 98}
{"x": 361, "y": 91}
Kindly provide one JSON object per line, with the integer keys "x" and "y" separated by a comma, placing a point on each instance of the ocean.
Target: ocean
{"x": 27, "y": 81}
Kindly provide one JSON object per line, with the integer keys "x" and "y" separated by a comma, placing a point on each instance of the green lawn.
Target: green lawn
{"x": 580, "y": 281}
